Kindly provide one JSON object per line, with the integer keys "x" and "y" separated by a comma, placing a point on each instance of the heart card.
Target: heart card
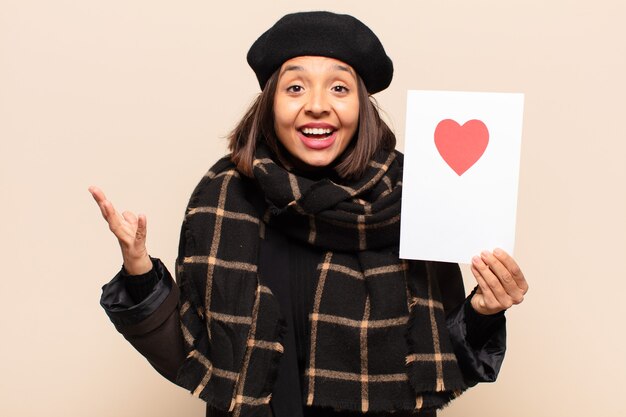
{"x": 461, "y": 171}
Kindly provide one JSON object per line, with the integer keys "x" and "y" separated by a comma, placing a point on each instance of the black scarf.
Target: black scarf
{"x": 378, "y": 334}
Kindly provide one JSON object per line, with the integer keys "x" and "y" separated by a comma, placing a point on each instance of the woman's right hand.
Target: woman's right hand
{"x": 130, "y": 231}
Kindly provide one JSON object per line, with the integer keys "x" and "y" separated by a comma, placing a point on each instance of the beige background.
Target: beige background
{"x": 136, "y": 96}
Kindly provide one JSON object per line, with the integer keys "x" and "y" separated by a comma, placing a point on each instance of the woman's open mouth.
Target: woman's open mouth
{"x": 317, "y": 137}
{"x": 316, "y": 133}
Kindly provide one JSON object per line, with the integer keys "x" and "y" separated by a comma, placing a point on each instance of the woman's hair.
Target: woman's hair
{"x": 372, "y": 134}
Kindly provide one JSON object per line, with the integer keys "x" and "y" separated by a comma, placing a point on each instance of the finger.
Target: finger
{"x": 100, "y": 198}
{"x": 487, "y": 299}
{"x": 484, "y": 304}
{"x": 112, "y": 217}
{"x": 97, "y": 194}
{"x": 108, "y": 211}
{"x": 504, "y": 275}
{"x": 510, "y": 264}
{"x": 483, "y": 288}
{"x": 103, "y": 210}
{"x": 493, "y": 282}
{"x": 106, "y": 207}
{"x": 130, "y": 217}
{"x": 142, "y": 225}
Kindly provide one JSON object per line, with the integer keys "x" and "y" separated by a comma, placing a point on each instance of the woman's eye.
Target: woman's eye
{"x": 294, "y": 88}
{"x": 340, "y": 89}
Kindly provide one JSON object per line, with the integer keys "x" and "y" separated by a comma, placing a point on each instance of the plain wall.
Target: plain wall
{"x": 137, "y": 96}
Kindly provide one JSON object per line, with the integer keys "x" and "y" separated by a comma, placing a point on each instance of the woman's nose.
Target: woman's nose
{"x": 317, "y": 103}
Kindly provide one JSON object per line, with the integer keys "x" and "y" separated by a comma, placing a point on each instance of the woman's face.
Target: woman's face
{"x": 316, "y": 109}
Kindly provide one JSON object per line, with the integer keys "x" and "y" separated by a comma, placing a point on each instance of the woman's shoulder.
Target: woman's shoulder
{"x": 223, "y": 174}
{"x": 223, "y": 166}
{"x": 399, "y": 156}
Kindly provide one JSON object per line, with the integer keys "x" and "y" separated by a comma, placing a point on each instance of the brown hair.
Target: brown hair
{"x": 372, "y": 134}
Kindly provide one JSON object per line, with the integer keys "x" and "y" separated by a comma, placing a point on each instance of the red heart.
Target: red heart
{"x": 461, "y": 146}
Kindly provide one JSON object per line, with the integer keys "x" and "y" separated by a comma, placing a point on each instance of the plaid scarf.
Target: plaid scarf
{"x": 378, "y": 337}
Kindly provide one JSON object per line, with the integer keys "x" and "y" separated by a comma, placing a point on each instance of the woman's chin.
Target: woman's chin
{"x": 314, "y": 163}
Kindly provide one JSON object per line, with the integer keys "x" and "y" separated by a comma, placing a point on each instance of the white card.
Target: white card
{"x": 461, "y": 170}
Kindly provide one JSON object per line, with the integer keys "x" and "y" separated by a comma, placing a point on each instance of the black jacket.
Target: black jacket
{"x": 145, "y": 310}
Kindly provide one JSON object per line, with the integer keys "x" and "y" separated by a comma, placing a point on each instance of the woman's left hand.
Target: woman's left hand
{"x": 501, "y": 283}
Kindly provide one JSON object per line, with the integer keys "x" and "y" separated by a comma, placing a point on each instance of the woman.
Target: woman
{"x": 291, "y": 299}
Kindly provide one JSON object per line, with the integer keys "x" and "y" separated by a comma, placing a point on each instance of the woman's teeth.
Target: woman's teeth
{"x": 315, "y": 131}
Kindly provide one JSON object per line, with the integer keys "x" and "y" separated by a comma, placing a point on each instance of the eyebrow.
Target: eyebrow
{"x": 292, "y": 68}
{"x": 344, "y": 68}
{"x": 301, "y": 68}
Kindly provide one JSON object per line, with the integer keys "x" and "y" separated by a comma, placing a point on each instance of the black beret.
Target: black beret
{"x": 338, "y": 36}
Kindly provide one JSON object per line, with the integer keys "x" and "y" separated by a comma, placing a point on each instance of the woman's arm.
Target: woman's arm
{"x": 479, "y": 341}
{"x": 152, "y": 324}
{"x": 477, "y": 328}
{"x": 142, "y": 300}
